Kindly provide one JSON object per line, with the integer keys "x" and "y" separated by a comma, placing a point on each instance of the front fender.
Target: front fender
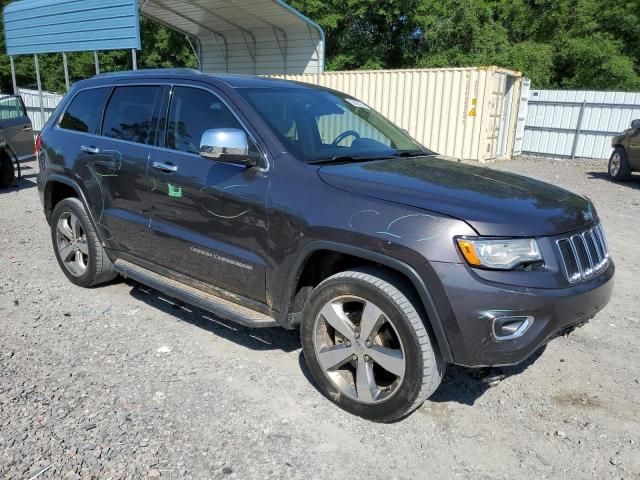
{"x": 392, "y": 263}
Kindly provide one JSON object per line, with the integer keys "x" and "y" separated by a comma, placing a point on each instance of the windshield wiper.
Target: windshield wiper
{"x": 348, "y": 159}
{"x": 412, "y": 153}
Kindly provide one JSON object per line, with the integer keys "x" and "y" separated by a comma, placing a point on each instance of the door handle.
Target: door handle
{"x": 165, "y": 167}
{"x": 90, "y": 150}
{"x": 27, "y": 128}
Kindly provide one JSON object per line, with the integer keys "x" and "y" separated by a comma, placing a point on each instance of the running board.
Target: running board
{"x": 211, "y": 303}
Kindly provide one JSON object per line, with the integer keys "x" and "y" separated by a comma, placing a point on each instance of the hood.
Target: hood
{"x": 494, "y": 203}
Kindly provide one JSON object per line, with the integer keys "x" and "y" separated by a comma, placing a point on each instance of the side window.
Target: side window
{"x": 83, "y": 114}
{"x": 192, "y": 112}
{"x": 11, "y": 107}
{"x": 129, "y": 113}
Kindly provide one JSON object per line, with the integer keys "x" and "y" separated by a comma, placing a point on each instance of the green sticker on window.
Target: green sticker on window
{"x": 175, "y": 191}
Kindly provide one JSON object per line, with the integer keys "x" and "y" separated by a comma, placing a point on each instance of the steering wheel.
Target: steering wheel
{"x": 343, "y": 135}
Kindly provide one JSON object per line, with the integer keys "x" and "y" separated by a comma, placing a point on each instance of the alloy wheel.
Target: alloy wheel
{"x": 359, "y": 349}
{"x": 614, "y": 167}
{"x": 71, "y": 241}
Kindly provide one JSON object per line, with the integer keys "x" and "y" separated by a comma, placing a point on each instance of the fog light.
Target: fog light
{"x": 508, "y": 328}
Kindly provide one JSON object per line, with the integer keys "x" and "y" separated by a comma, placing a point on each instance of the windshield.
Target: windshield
{"x": 318, "y": 125}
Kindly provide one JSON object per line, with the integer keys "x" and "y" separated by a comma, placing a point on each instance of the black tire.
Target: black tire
{"x": 619, "y": 169}
{"x": 423, "y": 367}
{"x": 98, "y": 267}
{"x": 7, "y": 172}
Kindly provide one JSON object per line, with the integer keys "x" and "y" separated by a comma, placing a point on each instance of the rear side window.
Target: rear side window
{"x": 129, "y": 114}
{"x": 11, "y": 107}
{"x": 193, "y": 111}
{"x": 83, "y": 114}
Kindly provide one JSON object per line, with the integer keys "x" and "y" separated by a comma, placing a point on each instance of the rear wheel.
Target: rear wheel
{"x": 7, "y": 172}
{"x": 619, "y": 168}
{"x": 367, "y": 346}
{"x": 77, "y": 247}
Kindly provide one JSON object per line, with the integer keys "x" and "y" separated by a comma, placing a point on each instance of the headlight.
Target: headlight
{"x": 499, "y": 254}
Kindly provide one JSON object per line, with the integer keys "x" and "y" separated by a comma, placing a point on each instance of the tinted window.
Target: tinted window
{"x": 192, "y": 112}
{"x": 11, "y": 107}
{"x": 129, "y": 113}
{"x": 83, "y": 114}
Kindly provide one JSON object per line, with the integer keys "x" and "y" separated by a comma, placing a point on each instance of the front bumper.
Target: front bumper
{"x": 472, "y": 302}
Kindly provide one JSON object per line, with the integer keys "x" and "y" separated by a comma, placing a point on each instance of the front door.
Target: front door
{"x": 15, "y": 127}
{"x": 208, "y": 217}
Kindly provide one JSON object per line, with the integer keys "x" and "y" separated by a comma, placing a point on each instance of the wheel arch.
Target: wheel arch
{"x": 399, "y": 267}
{"x": 50, "y": 188}
{"x": 7, "y": 150}
{"x": 619, "y": 145}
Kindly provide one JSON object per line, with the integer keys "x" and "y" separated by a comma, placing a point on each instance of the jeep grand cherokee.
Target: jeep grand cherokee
{"x": 268, "y": 202}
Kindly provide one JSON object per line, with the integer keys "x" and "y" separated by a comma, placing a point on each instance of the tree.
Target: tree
{"x": 557, "y": 43}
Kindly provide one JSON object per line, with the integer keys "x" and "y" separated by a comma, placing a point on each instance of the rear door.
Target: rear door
{"x": 119, "y": 160}
{"x": 104, "y": 134}
{"x": 208, "y": 218}
{"x": 15, "y": 127}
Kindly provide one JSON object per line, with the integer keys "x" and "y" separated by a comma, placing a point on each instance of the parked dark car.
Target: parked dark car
{"x": 625, "y": 158}
{"x": 16, "y": 137}
{"x": 270, "y": 203}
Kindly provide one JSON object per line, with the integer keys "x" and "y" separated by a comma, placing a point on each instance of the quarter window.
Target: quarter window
{"x": 129, "y": 114}
{"x": 83, "y": 114}
{"x": 192, "y": 112}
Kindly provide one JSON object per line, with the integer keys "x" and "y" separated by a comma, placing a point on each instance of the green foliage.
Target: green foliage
{"x": 557, "y": 43}
{"x": 592, "y": 44}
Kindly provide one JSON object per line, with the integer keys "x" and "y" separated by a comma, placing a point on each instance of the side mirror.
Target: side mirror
{"x": 229, "y": 145}
{"x": 635, "y": 123}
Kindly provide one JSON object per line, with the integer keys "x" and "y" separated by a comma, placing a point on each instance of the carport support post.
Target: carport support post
{"x": 97, "y": 61}
{"x": 40, "y": 90}
{"x": 134, "y": 58}
{"x": 574, "y": 147}
{"x": 66, "y": 69}
{"x": 13, "y": 75}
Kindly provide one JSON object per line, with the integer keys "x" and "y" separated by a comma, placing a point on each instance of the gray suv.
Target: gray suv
{"x": 16, "y": 137}
{"x": 272, "y": 203}
{"x": 625, "y": 158}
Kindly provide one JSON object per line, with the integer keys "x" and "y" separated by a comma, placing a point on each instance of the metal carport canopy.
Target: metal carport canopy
{"x": 244, "y": 36}
{"x": 236, "y": 36}
{"x": 257, "y": 37}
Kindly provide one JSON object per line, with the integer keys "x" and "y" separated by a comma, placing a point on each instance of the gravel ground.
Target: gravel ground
{"x": 117, "y": 382}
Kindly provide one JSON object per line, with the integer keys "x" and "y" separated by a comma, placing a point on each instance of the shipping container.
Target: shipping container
{"x": 467, "y": 113}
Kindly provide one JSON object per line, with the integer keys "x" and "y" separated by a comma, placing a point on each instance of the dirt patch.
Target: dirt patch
{"x": 580, "y": 400}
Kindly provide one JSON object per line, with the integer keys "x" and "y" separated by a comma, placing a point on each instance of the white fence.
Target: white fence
{"x": 569, "y": 123}
{"x": 31, "y": 100}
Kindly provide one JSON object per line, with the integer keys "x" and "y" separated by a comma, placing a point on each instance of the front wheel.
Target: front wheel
{"x": 619, "y": 169}
{"x": 367, "y": 347}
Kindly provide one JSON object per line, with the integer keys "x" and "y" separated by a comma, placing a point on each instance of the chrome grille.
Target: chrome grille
{"x": 584, "y": 255}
